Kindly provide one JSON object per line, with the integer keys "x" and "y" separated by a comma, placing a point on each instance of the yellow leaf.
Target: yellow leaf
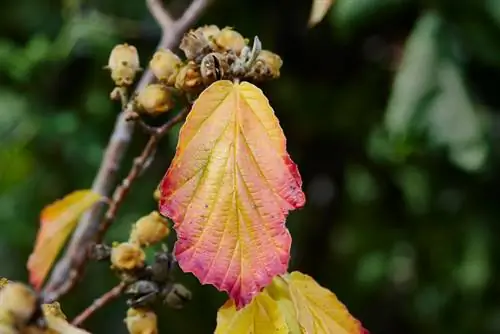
{"x": 261, "y": 316}
{"x": 57, "y": 221}
{"x": 318, "y": 11}
{"x": 318, "y": 310}
{"x": 229, "y": 189}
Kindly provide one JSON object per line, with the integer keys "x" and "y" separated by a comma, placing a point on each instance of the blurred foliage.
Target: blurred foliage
{"x": 390, "y": 107}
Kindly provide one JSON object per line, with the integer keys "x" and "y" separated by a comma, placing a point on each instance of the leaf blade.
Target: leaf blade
{"x": 57, "y": 221}
{"x": 262, "y": 315}
{"x": 318, "y": 309}
{"x": 230, "y": 179}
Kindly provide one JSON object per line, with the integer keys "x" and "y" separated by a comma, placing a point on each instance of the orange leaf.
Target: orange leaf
{"x": 318, "y": 11}
{"x": 57, "y": 221}
{"x": 229, "y": 189}
{"x": 262, "y": 315}
{"x": 318, "y": 310}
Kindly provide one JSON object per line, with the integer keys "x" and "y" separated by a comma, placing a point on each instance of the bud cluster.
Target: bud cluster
{"x": 211, "y": 54}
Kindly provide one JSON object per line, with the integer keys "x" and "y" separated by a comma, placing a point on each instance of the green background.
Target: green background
{"x": 390, "y": 108}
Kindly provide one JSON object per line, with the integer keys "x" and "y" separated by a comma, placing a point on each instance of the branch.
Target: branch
{"x": 98, "y": 303}
{"x": 70, "y": 266}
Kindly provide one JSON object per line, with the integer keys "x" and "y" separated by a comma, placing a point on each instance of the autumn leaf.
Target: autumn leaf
{"x": 318, "y": 11}
{"x": 293, "y": 304}
{"x": 229, "y": 189}
{"x": 57, "y": 221}
{"x": 262, "y": 315}
{"x": 318, "y": 310}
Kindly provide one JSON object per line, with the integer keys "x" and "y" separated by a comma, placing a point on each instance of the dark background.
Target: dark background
{"x": 390, "y": 108}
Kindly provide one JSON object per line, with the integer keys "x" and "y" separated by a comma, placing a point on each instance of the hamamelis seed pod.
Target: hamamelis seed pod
{"x": 149, "y": 229}
{"x": 124, "y": 64}
{"x": 141, "y": 321}
{"x": 165, "y": 65}
{"x": 127, "y": 256}
{"x": 155, "y": 99}
{"x": 272, "y": 61}
{"x": 19, "y": 300}
{"x": 230, "y": 40}
{"x": 189, "y": 78}
{"x": 178, "y": 296}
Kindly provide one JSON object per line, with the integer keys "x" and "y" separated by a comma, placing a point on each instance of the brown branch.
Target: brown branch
{"x": 70, "y": 266}
{"x": 98, "y": 303}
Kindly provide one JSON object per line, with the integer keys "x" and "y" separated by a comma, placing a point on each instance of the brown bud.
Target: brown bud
{"x": 194, "y": 44}
{"x": 141, "y": 321}
{"x": 155, "y": 99}
{"x": 124, "y": 64}
{"x": 19, "y": 300}
{"x": 149, "y": 229}
{"x": 267, "y": 66}
{"x": 127, "y": 256}
{"x": 189, "y": 78}
{"x": 165, "y": 65}
{"x": 178, "y": 296}
{"x": 230, "y": 40}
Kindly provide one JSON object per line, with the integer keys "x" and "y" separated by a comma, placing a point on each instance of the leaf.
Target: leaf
{"x": 318, "y": 309}
{"x": 415, "y": 81}
{"x": 229, "y": 189}
{"x": 57, "y": 221}
{"x": 262, "y": 315}
{"x": 293, "y": 304}
{"x": 318, "y": 11}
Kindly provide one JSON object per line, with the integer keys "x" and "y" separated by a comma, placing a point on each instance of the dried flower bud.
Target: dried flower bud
{"x": 124, "y": 64}
{"x": 141, "y": 321}
{"x": 230, "y": 40}
{"x": 209, "y": 31}
{"x": 19, "y": 300}
{"x": 165, "y": 65}
{"x": 189, "y": 78}
{"x": 155, "y": 99}
{"x": 267, "y": 66}
{"x": 127, "y": 256}
{"x": 194, "y": 44}
{"x": 178, "y": 296}
{"x": 149, "y": 229}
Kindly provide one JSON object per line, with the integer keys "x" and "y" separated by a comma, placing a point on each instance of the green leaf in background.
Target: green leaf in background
{"x": 429, "y": 98}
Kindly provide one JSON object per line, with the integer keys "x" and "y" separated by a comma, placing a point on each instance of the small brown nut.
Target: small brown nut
{"x": 127, "y": 256}
{"x": 149, "y": 230}
{"x": 155, "y": 99}
{"x": 230, "y": 40}
{"x": 165, "y": 65}
{"x": 189, "y": 78}
{"x": 141, "y": 321}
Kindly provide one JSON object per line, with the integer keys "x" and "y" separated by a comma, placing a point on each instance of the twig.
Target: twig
{"x": 70, "y": 266}
{"x": 98, "y": 303}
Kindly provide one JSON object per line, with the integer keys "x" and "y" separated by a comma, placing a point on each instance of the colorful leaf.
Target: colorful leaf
{"x": 262, "y": 315}
{"x": 318, "y": 11}
{"x": 293, "y": 304}
{"x": 318, "y": 309}
{"x": 229, "y": 189}
{"x": 57, "y": 221}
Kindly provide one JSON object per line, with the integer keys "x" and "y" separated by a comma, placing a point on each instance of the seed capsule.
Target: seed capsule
{"x": 155, "y": 99}
{"x": 149, "y": 229}
{"x": 124, "y": 64}
{"x": 127, "y": 256}
{"x": 141, "y": 321}
{"x": 165, "y": 65}
{"x": 267, "y": 66}
{"x": 230, "y": 40}
{"x": 189, "y": 78}
{"x": 178, "y": 296}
